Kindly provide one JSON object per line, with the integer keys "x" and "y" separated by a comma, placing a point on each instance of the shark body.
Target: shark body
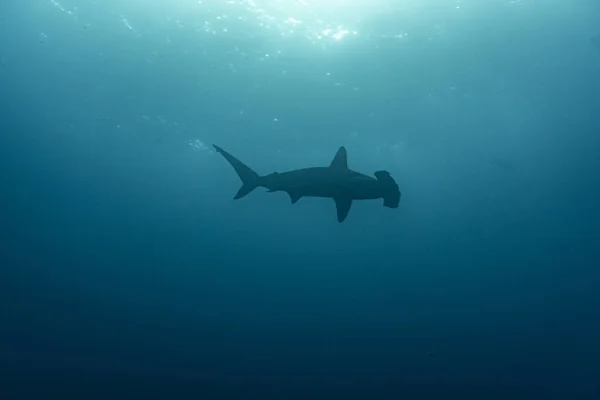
{"x": 335, "y": 181}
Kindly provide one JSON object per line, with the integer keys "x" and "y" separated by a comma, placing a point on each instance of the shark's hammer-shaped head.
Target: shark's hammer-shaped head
{"x": 389, "y": 189}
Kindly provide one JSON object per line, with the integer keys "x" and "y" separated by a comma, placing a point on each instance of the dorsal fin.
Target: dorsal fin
{"x": 340, "y": 161}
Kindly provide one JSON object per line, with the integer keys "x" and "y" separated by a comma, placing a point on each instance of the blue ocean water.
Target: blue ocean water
{"x": 127, "y": 271}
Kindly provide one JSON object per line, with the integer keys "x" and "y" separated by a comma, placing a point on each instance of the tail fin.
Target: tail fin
{"x": 250, "y": 179}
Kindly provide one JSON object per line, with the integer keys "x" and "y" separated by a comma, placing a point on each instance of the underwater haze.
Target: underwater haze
{"x": 127, "y": 270}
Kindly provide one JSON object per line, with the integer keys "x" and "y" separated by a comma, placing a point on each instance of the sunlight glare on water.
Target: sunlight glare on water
{"x": 318, "y": 21}
{"x": 247, "y": 41}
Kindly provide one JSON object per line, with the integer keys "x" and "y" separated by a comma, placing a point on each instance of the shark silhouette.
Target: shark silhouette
{"x": 336, "y": 181}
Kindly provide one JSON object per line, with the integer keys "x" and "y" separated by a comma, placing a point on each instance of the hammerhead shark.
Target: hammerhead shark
{"x": 336, "y": 181}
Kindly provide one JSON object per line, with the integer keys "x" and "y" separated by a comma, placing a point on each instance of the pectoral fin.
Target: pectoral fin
{"x": 294, "y": 197}
{"x": 343, "y": 205}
